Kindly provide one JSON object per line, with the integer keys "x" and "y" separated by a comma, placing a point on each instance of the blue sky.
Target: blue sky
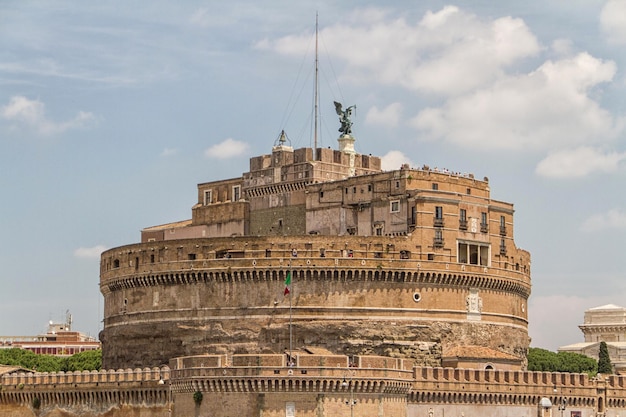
{"x": 112, "y": 112}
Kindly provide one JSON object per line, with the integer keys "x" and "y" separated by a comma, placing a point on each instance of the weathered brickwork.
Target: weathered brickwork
{"x": 316, "y": 386}
{"x": 167, "y": 299}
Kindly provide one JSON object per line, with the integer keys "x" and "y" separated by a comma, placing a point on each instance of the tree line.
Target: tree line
{"x": 90, "y": 360}
{"x": 547, "y": 361}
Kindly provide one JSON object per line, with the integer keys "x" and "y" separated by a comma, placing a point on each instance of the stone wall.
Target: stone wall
{"x": 225, "y": 296}
{"x": 110, "y": 393}
{"x": 320, "y": 386}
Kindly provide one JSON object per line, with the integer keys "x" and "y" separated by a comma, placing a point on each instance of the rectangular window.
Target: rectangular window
{"x": 369, "y": 187}
{"x": 463, "y": 219}
{"x": 438, "y": 212}
{"x": 236, "y": 193}
{"x": 208, "y": 197}
{"x": 395, "y": 206}
{"x": 435, "y": 186}
{"x": 473, "y": 253}
{"x": 484, "y": 228}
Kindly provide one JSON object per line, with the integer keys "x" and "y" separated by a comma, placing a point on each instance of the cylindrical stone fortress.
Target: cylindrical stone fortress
{"x": 406, "y": 263}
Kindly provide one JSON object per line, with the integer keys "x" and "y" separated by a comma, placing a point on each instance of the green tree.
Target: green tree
{"x": 84, "y": 361}
{"x": 547, "y": 361}
{"x": 90, "y": 360}
{"x": 604, "y": 361}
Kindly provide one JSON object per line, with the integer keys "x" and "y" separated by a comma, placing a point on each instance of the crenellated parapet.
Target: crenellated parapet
{"x": 97, "y": 391}
{"x": 455, "y": 389}
{"x": 320, "y": 385}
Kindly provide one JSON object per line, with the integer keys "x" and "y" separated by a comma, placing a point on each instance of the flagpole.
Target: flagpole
{"x": 290, "y": 318}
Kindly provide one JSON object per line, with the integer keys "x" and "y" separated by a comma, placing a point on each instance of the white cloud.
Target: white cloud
{"x": 447, "y": 52}
{"x": 90, "y": 253}
{"x": 169, "y": 152}
{"x": 546, "y": 109}
{"x": 32, "y": 114}
{"x": 577, "y": 163}
{"x": 389, "y": 116}
{"x": 227, "y": 149}
{"x": 394, "y": 160}
{"x": 612, "y": 219}
{"x": 613, "y": 21}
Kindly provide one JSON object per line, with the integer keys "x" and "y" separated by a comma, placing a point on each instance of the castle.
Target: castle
{"x": 409, "y": 263}
{"x": 314, "y": 285}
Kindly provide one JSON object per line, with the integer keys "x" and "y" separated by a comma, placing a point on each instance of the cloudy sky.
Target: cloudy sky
{"x": 112, "y": 112}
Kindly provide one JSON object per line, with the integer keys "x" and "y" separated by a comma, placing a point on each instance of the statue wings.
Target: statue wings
{"x": 338, "y": 108}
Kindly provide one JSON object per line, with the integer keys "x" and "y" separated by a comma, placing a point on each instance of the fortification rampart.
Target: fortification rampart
{"x": 109, "y": 392}
{"x": 315, "y": 385}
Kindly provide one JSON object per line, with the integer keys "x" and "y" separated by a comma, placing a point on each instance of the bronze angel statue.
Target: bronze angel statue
{"x": 344, "y": 118}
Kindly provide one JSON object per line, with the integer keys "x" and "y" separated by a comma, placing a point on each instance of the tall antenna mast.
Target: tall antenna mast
{"x": 316, "y": 90}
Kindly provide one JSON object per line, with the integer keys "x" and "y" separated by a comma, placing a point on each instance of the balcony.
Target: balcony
{"x": 502, "y": 250}
{"x": 484, "y": 228}
{"x": 438, "y": 222}
{"x": 502, "y": 230}
{"x": 438, "y": 242}
{"x": 462, "y": 224}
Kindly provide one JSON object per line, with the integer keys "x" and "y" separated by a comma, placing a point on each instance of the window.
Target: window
{"x": 321, "y": 194}
{"x": 353, "y": 190}
{"x": 395, "y": 206}
{"x": 435, "y": 186}
{"x": 208, "y": 197}
{"x": 484, "y": 228}
{"x": 502, "y": 226}
{"x": 468, "y": 191}
{"x": 369, "y": 187}
{"x": 463, "y": 219}
{"x": 397, "y": 184}
{"x": 236, "y": 193}
{"x": 438, "y": 212}
{"x": 473, "y": 253}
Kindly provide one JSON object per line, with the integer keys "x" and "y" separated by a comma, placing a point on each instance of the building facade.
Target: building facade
{"x": 59, "y": 340}
{"x": 405, "y": 263}
{"x": 603, "y": 324}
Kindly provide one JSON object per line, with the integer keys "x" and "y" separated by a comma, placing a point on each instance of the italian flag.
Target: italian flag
{"x": 287, "y": 282}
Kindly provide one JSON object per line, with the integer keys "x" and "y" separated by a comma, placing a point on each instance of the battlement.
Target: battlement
{"x": 86, "y": 377}
{"x": 367, "y": 379}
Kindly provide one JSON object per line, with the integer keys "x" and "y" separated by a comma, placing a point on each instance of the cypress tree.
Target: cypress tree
{"x": 604, "y": 361}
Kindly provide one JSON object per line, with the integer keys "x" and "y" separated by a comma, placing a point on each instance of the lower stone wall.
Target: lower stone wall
{"x": 321, "y": 386}
{"x": 10, "y": 410}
